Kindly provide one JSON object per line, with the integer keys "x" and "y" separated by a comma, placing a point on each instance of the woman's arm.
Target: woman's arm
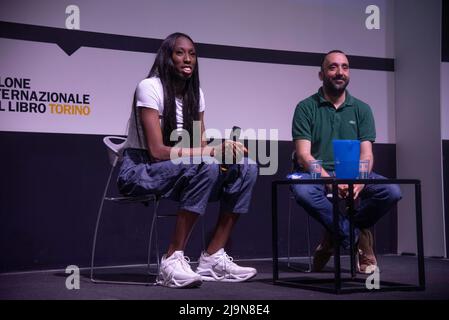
{"x": 203, "y": 129}
{"x": 156, "y": 147}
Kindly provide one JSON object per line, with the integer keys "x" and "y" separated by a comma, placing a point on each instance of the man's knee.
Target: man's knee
{"x": 305, "y": 192}
{"x": 394, "y": 193}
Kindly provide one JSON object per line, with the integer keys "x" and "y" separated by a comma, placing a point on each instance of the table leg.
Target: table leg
{"x": 274, "y": 230}
{"x": 351, "y": 212}
{"x": 336, "y": 218}
{"x": 419, "y": 237}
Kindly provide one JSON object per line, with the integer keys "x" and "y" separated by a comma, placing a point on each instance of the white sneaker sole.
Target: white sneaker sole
{"x": 187, "y": 284}
{"x": 242, "y": 278}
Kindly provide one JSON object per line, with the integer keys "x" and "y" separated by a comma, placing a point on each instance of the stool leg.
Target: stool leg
{"x": 289, "y": 230}
{"x": 153, "y": 228}
{"x": 94, "y": 244}
{"x": 308, "y": 244}
{"x": 100, "y": 210}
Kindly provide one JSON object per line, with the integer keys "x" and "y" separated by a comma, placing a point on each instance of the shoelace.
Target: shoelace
{"x": 184, "y": 260}
{"x": 225, "y": 261}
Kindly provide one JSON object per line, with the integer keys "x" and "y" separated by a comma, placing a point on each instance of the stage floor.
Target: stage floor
{"x": 51, "y": 284}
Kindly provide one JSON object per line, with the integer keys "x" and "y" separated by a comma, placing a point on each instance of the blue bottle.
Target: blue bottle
{"x": 346, "y": 158}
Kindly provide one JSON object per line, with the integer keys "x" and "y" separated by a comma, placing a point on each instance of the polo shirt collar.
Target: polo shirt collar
{"x": 349, "y": 100}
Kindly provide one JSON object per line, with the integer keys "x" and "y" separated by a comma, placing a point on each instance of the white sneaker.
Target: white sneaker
{"x": 175, "y": 272}
{"x": 220, "y": 267}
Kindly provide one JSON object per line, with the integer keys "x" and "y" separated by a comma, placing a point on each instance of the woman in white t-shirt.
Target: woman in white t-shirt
{"x": 169, "y": 106}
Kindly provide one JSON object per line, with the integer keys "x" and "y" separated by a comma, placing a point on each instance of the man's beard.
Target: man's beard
{"x": 335, "y": 89}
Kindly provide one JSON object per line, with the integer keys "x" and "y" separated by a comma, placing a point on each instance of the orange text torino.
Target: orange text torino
{"x": 70, "y": 109}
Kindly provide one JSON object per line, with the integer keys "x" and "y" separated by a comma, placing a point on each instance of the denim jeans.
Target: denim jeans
{"x": 192, "y": 183}
{"x": 376, "y": 201}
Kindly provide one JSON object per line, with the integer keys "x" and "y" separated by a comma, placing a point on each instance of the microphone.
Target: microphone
{"x": 234, "y": 136}
{"x": 235, "y": 133}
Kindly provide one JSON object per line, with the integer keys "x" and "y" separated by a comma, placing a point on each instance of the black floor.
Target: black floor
{"x": 51, "y": 285}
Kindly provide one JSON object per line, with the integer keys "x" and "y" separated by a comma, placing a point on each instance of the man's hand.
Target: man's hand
{"x": 343, "y": 190}
{"x": 357, "y": 189}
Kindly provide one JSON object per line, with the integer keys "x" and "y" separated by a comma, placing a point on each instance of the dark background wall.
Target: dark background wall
{"x": 253, "y": 70}
{"x": 51, "y": 188}
{"x": 52, "y": 183}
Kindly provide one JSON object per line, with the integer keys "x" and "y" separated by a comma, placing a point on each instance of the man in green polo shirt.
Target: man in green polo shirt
{"x": 332, "y": 113}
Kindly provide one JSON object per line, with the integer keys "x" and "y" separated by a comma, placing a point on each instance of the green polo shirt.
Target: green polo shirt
{"x": 318, "y": 121}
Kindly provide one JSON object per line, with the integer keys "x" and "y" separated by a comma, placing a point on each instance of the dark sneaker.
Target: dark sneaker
{"x": 323, "y": 253}
{"x": 367, "y": 262}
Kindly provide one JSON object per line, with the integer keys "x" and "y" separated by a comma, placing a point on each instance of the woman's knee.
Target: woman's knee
{"x": 209, "y": 171}
{"x": 252, "y": 172}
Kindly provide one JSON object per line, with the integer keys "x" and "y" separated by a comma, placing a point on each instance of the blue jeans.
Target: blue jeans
{"x": 192, "y": 185}
{"x": 376, "y": 201}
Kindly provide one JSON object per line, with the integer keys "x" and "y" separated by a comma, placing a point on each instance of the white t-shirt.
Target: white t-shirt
{"x": 150, "y": 94}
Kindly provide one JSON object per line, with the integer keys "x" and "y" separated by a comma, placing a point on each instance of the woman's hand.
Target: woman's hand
{"x": 230, "y": 152}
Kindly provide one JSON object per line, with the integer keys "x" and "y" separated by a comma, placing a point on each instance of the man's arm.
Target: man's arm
{"x": 366, "y": 153}
{"x": 303, "y": 149}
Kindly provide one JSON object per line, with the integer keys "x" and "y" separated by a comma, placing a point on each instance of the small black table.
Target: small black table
{"x": 312, "y": 283}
